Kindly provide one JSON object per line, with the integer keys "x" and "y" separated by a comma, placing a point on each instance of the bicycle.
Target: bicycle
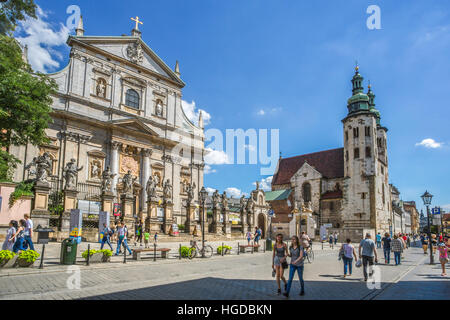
{"x": 195, "y": 250}
{"x": 309, "y": 253}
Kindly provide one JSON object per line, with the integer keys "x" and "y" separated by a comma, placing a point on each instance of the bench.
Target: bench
{"x": 243, "y": 247}
{"x": 137, "y": 252}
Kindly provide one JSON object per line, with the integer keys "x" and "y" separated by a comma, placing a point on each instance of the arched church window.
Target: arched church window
{"x": 368, "y": 152}
{"x": 100, "y": 88}
{"x": 306, "y": 191}
{"x": 132, "y": 99}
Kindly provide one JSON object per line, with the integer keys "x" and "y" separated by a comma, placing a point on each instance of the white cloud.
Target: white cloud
{"x": 429, "y": 143}
{"x": 446, "y": 207}
{"x": 268, "y": 111}
{"x": 216, "y": 157}
{"x": 209, "y": 170}
{"x": 265, "y": 184}
{"x": 234, "y": 192}
{"x": 193, "y": 113}
{"x": 210, "y": 190}
{"x": 261, "y": 112}
{"x": 42, "y": 39}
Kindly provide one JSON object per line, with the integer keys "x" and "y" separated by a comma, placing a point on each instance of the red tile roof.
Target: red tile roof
{"x": 329, "y": 163}
{"x": 332, "y": 195}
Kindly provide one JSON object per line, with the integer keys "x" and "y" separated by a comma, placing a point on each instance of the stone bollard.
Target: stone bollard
{"x": 88, "y": 254}
{"x": 41, "y": 266}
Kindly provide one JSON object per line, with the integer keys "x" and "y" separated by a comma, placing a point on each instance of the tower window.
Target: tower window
{"x": 306, "y": 192}
{"x": 346, "y": 155}
{"x": 367, "y": 131}
{"x": 363, "y": 195}
{"x": 132, "y": 99}
{"x": 355, "y": 132}
{"x": 346, "y": 135}
{"x": 356, "y": 153}
{"x": 368, "y": 152}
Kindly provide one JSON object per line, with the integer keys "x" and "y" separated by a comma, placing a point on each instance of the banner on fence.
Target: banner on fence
{"x": 76, "y": 224}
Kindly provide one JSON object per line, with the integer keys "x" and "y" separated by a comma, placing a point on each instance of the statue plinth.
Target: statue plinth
{"x": 70, "y": 199}
{"x": 244, "y": 225}
{"x": 108, "y": 202}
{"x": 127, "y": 201}
{"x": 153, "y": 221}
{"x": 216, "y": 226}
{"x": 168, "y": 217}
{"x": 190, "y": 223}
{"x": 41, "y": 194}
{"x": 226, "y": 223}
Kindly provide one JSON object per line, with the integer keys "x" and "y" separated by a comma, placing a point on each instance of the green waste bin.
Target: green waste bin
{"x": 268, "y": 244}
{"x": 68, "y": 252}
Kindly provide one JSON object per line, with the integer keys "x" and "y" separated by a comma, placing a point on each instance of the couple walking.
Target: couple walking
{"x": 19, "y": 235}
{"x": 279, "y": 263}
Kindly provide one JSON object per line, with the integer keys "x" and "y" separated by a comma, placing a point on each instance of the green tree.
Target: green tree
{"x": 12, "y": 11}
{"x": 25, "y": 104}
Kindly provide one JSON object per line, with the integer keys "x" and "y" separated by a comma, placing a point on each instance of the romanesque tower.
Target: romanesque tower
{"x": 366, "y": 193}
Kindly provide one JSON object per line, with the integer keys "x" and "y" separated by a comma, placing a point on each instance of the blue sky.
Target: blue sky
{"x": 292, "y": 59}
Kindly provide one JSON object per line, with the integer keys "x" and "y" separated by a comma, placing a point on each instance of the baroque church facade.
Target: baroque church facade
{"x": 345, "y": 189}
{"x": 118, "y": 107}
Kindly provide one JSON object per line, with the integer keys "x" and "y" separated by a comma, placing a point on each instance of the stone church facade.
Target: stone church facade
{"x": 346, "y": 189}
{"x": 119, "y": 106}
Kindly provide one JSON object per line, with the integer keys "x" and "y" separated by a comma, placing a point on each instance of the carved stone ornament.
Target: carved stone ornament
{"x": 70, "y": 173}
{"x": 43, "y": 166}
{"x": 135, "y": 52}
{"x": 107, "y": 177}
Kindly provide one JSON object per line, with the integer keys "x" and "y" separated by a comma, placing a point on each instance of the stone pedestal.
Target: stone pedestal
{"x": 42, "y": 191}
{"x": 152, "y": 220}
{"x": 226, "y": 223}
{"x": 127, "y": 201}
{"x": 168, "y": 217}
{"x": 216, "y": 226}
{"x": 191, "y": 223}
{"x": 70, "y": 200}
{"x": 250, "y": 222}
{"x": 108, "y": 202}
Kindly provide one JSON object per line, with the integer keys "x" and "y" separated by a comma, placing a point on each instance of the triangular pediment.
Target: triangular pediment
{"x": 132, "y": 49}
{"x": 134, "y": 125}
{"x": 306, "y": 172}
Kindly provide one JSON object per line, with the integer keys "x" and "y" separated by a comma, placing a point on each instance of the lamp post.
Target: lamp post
{"x": 426, "y": 197}
{"x": 203, "y": 194}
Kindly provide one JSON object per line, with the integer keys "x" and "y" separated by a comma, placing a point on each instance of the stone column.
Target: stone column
{"x": 114, "y": 164}
{"x": 226, "y": 222}
{"x": 146, "y": 172}
{"x": 168, "y": 217}
{"x": 217, "y": 226}
{"x": 191, "y": 223}
{"x": 244, "y": 221}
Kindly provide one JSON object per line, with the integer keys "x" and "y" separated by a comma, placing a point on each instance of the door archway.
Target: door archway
{"x": 262, "y": 224}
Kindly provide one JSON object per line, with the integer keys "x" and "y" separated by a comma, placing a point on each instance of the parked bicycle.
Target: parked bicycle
{"x": 195, "y": 250}
{"x": 309, "y": 253}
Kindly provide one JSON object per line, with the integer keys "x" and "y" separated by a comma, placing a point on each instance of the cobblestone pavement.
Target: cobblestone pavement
{"x": 244, "y": 276}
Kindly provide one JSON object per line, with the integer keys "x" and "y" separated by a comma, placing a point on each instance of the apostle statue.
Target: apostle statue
{"x": 150, "y": 188}
{"x": 224, "y": 201}
{"x": 159, "y": 109}
{"x": 167, "y": 191}
{"x": 242, "y": 203}
{"x": 190, "y": 192}
{"x": 107, "y": 177}
{"x": 43, "y": 165}
{"x": 216, "y": 199}
{"x": 128, "y": 181}
{"x": 70, "y": 173}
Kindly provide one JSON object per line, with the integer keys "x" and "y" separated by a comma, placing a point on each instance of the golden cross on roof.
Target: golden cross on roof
{"x": 137, "y": 22}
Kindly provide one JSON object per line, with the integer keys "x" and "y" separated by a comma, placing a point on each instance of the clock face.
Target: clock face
{"x": 129, "y": 163}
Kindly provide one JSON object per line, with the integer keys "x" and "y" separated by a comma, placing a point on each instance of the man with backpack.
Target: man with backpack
{"x": 122, "y": 233}
{"x": 107, "y": 233}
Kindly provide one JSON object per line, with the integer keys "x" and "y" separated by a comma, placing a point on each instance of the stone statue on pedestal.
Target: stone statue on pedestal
{"x": 70, "y": 173}
{"x": 216, "y": 199}
{"x": 128, "y": 182}
{"x": 224, "y": 201}
{"x": 190, "y": 192}
{"x": 43, "y": 165}
{"x": 151, "y": 188}
{"x": 242, "y": 204}
{"x": 107, "y": 177}
{"x": 167, "y": 191}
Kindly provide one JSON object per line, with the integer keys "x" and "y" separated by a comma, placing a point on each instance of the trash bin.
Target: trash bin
{"x": 68, "y": 252}
{"x": 268, "y": 244}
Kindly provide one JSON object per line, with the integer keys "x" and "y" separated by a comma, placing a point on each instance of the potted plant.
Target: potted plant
{"x": 27, "y": 258}
{"x": 94, "y": 256}
{"x": 5, "y": 257}
{"x": 106, "y": 255}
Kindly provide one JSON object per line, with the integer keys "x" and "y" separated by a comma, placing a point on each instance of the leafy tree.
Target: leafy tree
{"x": 25, "y": 104}
{"x": 12, "y": 11}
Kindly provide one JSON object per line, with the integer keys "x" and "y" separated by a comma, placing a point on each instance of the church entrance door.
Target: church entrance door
{"x": 262, "y": 225}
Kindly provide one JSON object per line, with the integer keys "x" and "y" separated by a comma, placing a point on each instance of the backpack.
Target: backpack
{"x": 110, "y": 232}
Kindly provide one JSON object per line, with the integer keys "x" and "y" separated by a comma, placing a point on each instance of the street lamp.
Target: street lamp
{"x": 426, "y": 197}
{"x": 203, "y": 194}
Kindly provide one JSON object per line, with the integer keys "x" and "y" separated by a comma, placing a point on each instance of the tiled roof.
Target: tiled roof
{"x": 329, "y": 163}
{"x": 277, "y": 195}
{"x": 332, "y": 195}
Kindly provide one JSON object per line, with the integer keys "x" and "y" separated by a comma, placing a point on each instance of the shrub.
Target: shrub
{"x": 29, "y": 255}
{"x": 106, "y": 252}
{"x": 219, "y": 249}
{"x": 181, "y": 227}
{"x": 185, "y": 251}
{"x": 91, "y": 252}
{"x": 24, "y": 188}
{"x": 6, "y": 255}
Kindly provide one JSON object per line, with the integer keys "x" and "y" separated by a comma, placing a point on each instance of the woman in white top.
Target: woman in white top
{"x": 349, "y": 252}
{"x": 9, "y": 243}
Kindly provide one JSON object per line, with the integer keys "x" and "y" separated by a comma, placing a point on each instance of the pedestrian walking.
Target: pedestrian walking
{"x": 434, "y": 242}
{"x": 249, "y": 237}
{"x": 9, "y": 241}
{"x": 19, "y": 237}
{"x": 147, "y": 239}
{"x": 424, "y": 242}
{"x": 367, "y": 253}
{"x": 335, "y": 238}
{"x": 348, "y": 252}
{"x": 279, "y": 263}
{"x": 378, "y": 238}
{"x": 296, "y": 252}
{"x": 305, "y": 240}
{"x": 28, "y": 235}
{"x": 122, "y": 233}
{"x": 107, "y": 233}
{"x": 408, "y": 241}
{"x": 397, "y": 248}
{"x": 155, "y": 237}
{"x": 386, "y": 241}
{"x": 330, "y": 240}
{"x": 257, "y": 235}
{"x": 443, "y": 256}
{"x": 138, "y": 237}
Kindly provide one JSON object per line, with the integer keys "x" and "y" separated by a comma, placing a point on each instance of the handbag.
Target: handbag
{"x": 358, "y": 263}
{"x": 284, "y": 264}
